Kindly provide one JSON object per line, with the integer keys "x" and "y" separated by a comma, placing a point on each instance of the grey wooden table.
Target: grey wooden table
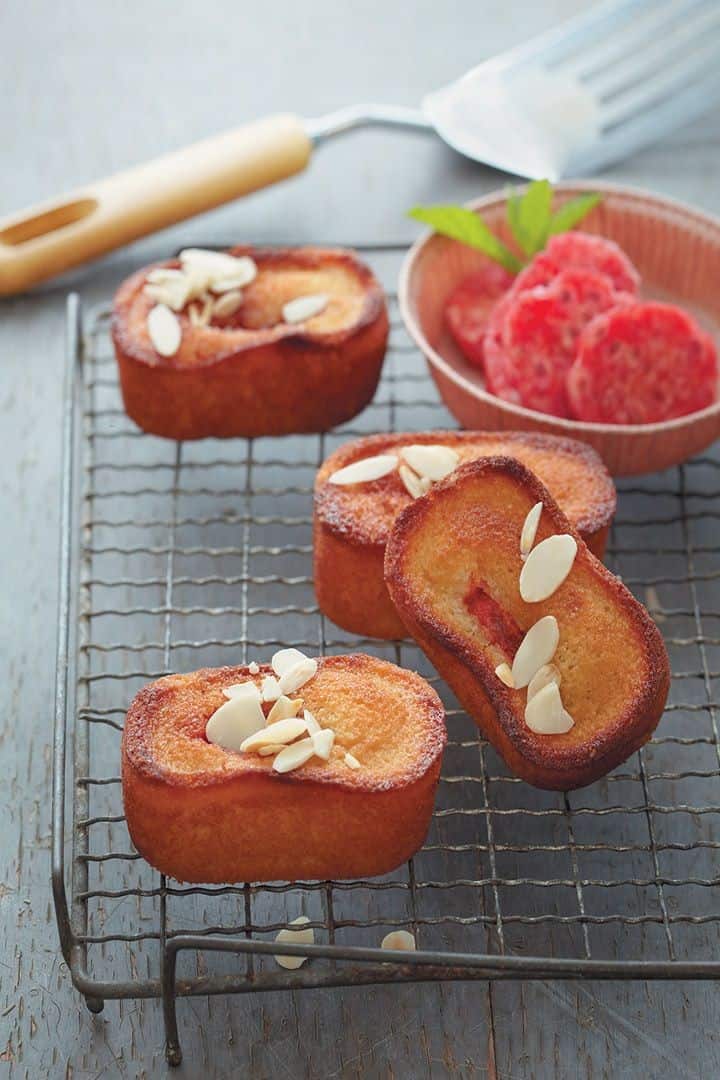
{"x": 91, "y": 88}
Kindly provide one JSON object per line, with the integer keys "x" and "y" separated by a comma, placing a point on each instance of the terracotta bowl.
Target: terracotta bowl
{"x": 677, "y": 251}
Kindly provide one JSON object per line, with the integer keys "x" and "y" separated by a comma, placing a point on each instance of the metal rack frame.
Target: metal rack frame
{"x": 624, "y": 885}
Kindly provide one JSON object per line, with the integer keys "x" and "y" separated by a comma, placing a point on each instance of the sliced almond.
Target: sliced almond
{"x": 545, "y": 714}
{"x": 210, "y": 266}
{"x": 234, "y": 722}
{"x": 164, "y": 330}
{"x": 293, "y": 756}
{"x": 352, "y": 762}
{"x": 295, "y": 937}
{"x": 207, "y": 311}
{"x": 162, "y": 274}
{"x": 272, "y": 748}
{"x": 546, "y": 567}
{"x": 399, "y": 939}
{"x": 548, "y": 673}
{"x": 529, "y": 529}
{"x": 253, "y": 668}
{"x": 242, "y": 689}
{"x": 195, "y": 313}
{"x": 283, "y": 708}
{"x": 281, "y": 731}
{"x": 227, "y": 304}
{"x": 270, "y": 688}
{"x": 504, "y": 674}
{"x": 361, "y": 472}
{"x": 244, "y": 271}
{"x": 323, "y": 741}
{"x": 298, "y": 675}
{"x": 304, "y": 307}
{"x": 536, "y": 648}
{"x": 284, "y": 659}
{"x": 173, "y": 293}
{"x": 433, "y": 462}
{"x": 415, "y": 485}
{"x": 310, "y": 722}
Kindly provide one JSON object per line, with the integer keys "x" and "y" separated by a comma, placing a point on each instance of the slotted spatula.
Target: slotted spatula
{"x": 568, "y": 102}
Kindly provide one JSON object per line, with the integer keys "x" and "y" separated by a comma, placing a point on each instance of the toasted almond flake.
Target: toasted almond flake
{"x": 298, "y": 675}
{"x": 361, "y": 472}
{"x": 245, "y": 271}
{"x": 270, "y": 749}
{"x": 164, "y": 330}
{"x": 304, "y": 307}
{"x": 284, "y": 659}
{"x": 545, "y": 714}
{"x": 546, "y": 567}
{"x": 281, "y": 731}
{"x": 310, "y": 722}
{"x": 415, "y": 485}
{"x": 293, "y": 756}
{"x": 283, "y": 708}
{"x": 504, "y": 674}
{"x": 270, "y": 688}
{"x": 352, "y": 762}
{"x": 529, "y": 529}
{"x": 536, "y": 648}
{"x": 253, "y": 667}
{"x": 548, "y": 673}
{"x": 174, "y": 293}
{"x": 295, "y": 937}
{"x": 399, "y": 939}
{"x": 323, "y": 742}
{"x": 434, "y": 462}
{"x": 242, "y": 689}
{"x": 227, "y": 304}
{"x": 234, "y": 722}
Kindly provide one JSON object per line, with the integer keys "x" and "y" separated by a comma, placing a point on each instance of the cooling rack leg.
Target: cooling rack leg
{"x": 173, "y": 1053}
{"x": 95, "y": 1005}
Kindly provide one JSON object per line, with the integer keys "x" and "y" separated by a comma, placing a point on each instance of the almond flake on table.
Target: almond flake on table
{"x": 233, "y": 723}
{"x": 242, "y": 689}
{"x": 545, "y": 713}
{"x": 304, "y": 307}
{"x": 296, "y": 676}
{"x": 323, "y": 742}
{"x": 360, "y": 472}
{"x": 281, "y": 731}
{"x": 529, "y": 529}
{"x": 399, "y": 939}
{"x": 536, "y": 649}
{"x": 295, "y": 937}
{"x": 546, "y": 567}
{"x": 164, "y": 330}
{"x": 294, "y": 755}
{"x": 351, "y": 761}
{"x": 433, "y": 461}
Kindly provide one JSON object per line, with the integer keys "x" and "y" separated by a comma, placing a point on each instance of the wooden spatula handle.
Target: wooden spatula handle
{"x": 47, "y": 239}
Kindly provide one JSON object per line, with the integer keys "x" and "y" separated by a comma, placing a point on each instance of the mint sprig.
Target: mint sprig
{"x": 530, "y": 218}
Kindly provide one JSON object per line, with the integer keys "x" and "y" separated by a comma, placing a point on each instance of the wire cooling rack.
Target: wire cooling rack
{"x": 178, "y": 556}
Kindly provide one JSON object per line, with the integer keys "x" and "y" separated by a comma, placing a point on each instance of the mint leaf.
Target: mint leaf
{"x": 531, "y": 216}
{"x": 513, "y": 214}
{"x": 573, "y": 211}
{"x": 464, "y": 225}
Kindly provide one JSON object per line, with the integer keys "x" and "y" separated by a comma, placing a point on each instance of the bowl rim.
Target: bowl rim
{"x": 695, "y": 218}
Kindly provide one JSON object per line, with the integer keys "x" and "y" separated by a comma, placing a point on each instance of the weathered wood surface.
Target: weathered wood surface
{"x": 91, "y": 88}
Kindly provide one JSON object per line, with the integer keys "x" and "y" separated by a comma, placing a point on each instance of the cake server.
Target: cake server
{"x": 571, "y": 101}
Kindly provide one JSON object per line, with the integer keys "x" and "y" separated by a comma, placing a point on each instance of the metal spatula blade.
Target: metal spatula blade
{"x": 577, "y": 98}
